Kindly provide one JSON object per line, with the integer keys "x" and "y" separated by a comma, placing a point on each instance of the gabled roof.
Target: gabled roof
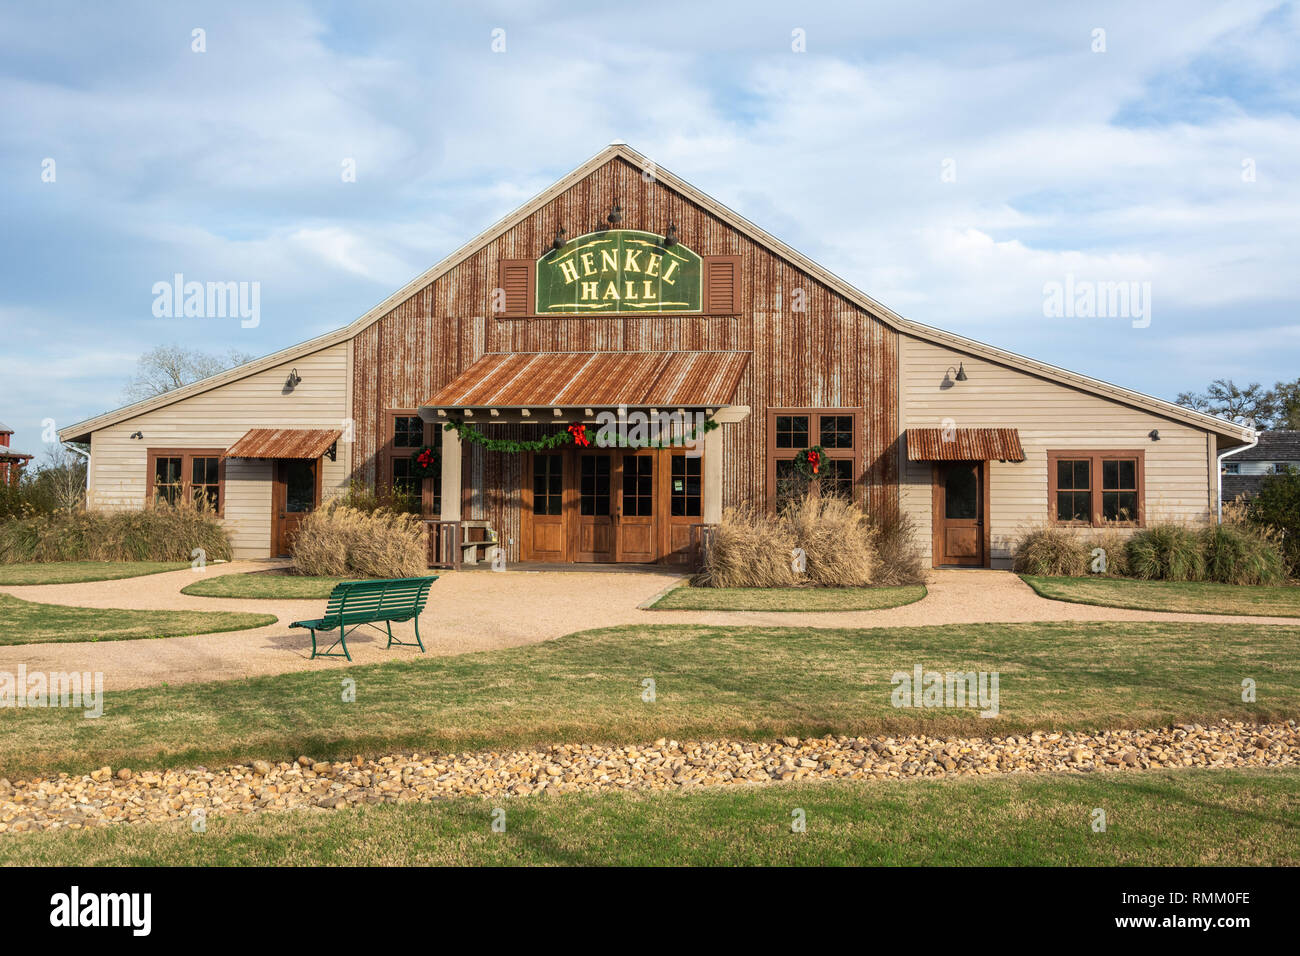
{"x": 1274, "y": 445}
{"x": 619, "y": 150}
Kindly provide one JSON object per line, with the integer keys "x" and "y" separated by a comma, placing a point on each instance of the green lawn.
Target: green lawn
{"x": 25, "y": 622}
{"x": 687, "y": 598}
{"x": 709, "y": 682}
{"x": 1160, "y": 818}
{"x": 69, "y": 572}
{"x": 264, "y": 584}
{"x": 1197, "y": 597}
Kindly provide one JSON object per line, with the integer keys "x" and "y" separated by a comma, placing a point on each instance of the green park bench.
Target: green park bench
{"x": 354, "y": 603}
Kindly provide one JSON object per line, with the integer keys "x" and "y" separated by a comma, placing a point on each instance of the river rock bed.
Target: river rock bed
{"x": 108, "y": 796}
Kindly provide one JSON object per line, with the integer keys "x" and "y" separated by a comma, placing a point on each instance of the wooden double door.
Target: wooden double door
{"x": 611, "y": 505}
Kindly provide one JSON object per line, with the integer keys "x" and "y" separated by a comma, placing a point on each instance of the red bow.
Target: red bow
{"x": 579, "y": 433}
{"x": 425, "y": 459}
{"x": 815, "y": 460}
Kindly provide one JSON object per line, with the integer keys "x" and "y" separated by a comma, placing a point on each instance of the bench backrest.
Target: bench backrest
{"x": 364, "y": 600}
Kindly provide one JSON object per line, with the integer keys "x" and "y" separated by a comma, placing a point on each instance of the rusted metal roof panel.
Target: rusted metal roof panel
{"x": 556, "y": 379}
{"x": 964, "y": 444}
{"x": 284, "y": 443}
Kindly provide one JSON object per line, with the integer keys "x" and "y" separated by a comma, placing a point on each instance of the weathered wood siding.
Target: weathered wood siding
{"x": 216, "y": 419}
{"x": 1049, "y": 416}
{"x": 833, "y": 354}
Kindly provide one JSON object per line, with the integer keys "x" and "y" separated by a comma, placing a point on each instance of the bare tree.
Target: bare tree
{"x": 61, "y": 478}
{"x": 1225, "y": 399}
{"x": 167, "y": 367}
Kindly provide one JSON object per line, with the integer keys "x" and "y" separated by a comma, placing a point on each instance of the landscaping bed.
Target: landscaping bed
{"x": 26, "y": 622}
{"x": 689, "y": 598}
{"x": 272, "y": 584}
{"x": 77, "y": 572}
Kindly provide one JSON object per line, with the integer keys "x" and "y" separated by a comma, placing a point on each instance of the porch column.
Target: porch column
{"x": 450, "y": 476}
{"x": 711, "y": 503}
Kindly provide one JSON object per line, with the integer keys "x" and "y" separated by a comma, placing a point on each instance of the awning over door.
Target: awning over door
{"x": 964, "y": 444}
{"x": 665, "y": 380}
{"x": 285, "y": 443}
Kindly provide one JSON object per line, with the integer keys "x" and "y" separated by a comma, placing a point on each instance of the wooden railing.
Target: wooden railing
{"x": 444, "y": 543}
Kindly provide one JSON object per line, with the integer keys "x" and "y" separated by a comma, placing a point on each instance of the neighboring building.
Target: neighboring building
{"x": 1243, "y": 472}
{"x": 12, "y": 461}
{"x": 624, "y": 286}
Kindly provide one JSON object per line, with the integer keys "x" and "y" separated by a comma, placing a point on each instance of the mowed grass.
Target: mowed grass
{"x": 264, "y": 584}
{"x": 1194, "y": 597}
{"x": 1161, "y": 818}
{"x": 71, "y": 572}
{"x": 26, "y": 622}
{"x": 688, "y": 598}
{"x": 708, "y": 682}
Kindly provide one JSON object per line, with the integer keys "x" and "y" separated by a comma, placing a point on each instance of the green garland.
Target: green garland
{"x": 469, "y": 432}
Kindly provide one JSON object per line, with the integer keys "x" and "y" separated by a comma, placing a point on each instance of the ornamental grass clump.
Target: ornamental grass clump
{"x": 837, "y": 540}
{"x": 1166, "y": 552}
{"x": 336, "y": 540}
{"x": 1241, "y": 554}
{"x": 1049, "y": 551}
{"x": 898, "y": 558}
{"x": 184, "y": 531}
{"x": 748, "y": 549}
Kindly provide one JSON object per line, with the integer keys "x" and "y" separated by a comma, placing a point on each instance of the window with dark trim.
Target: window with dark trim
{"x": 685, "y": 497}
{"x": 409, "y": 434}
{"x": 187, "y": 474}
{"x": 1096, "y": 488}
{"x": 791, "y": 431}
{"x": 548, "y": 486}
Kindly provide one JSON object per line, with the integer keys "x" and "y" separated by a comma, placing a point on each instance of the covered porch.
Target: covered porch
{"x": 621, "y": 455}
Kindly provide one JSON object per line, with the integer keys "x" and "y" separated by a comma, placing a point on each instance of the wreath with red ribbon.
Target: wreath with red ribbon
{"x": 427, "y": 462}
{"x": 809, "y": 462}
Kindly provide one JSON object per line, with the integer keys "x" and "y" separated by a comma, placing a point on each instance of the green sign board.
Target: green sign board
{"x": 618, "y": 270}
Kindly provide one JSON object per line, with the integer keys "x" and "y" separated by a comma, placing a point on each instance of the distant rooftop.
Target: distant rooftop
{"x": 1276, "y": 445}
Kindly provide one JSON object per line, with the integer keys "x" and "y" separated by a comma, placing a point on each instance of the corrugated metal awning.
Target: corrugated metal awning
{"x": 964, "y": 444}
{"x": 606, "y": 379}
{"x": 284, "y": 443}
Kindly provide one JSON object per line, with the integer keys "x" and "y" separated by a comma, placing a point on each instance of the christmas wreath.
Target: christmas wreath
{"x": 809, "y": 462}
{"x": 427, "y": 462}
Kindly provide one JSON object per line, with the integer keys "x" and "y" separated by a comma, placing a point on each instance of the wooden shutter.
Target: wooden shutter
{"x": 516, "y": 278}
{"x": 721, "y": 285}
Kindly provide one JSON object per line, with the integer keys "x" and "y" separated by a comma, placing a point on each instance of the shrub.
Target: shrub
{"x": 749, "y": 549}
{"x": 363, "y": 497}
{"x": 1166, "y": 552}
{"x": 339, "y": 541}
{"x": 1277, "y": 507}
{"x": 1116, "y": 547}
{"x": 837, "y": 540}
{"x": 898, "y": 559}
{"x": 1242, "y": 554}
{"x": 159, "y": 532}
{"x": 1050, "y": 551}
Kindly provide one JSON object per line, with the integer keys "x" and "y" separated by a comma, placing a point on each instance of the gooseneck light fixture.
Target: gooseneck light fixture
{"x": 949, "y": 376}
{"x": 615, "y": 215}
{"x": 558, "y": 242}
{"x": 670, "y": 237}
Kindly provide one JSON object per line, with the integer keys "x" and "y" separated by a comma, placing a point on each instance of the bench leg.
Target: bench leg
{"x": 418, "y": 643}
{"x": 329, "y": 651}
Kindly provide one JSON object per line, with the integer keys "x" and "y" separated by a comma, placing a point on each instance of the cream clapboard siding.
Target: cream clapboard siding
{"x": 216, "y": 419}
{"x": 1179, "y": 467}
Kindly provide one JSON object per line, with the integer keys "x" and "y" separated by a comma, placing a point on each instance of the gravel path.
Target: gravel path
{"x": 105, "y": 797}
{"x": 485, "y": 610}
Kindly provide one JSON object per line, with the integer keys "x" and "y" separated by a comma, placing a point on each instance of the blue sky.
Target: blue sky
{"x": 1117, "y": 166}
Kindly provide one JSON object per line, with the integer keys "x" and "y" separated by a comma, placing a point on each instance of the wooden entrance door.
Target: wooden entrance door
{"x": 545, "y": 507}
{"x": 594, "y": 531}
{"x": 637, "y": 508}
{"x": 960, "y": 501}
{"x": 295, "y": 494}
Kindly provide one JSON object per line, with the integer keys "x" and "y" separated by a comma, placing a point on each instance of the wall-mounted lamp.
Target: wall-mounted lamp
{"x": 558, "y": 242}
{"x": 960, "y": 375}
{"x": 1154, "y": 434}
{"x": 615, "y": 215}
{"x": 292, "y": 381}
{"x": 137, "y": 434}
{"x": 670, "y": 237}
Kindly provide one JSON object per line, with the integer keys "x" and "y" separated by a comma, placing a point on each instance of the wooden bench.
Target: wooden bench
{"x": 354, "y": 603}
{"x": 477, "y": 537}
